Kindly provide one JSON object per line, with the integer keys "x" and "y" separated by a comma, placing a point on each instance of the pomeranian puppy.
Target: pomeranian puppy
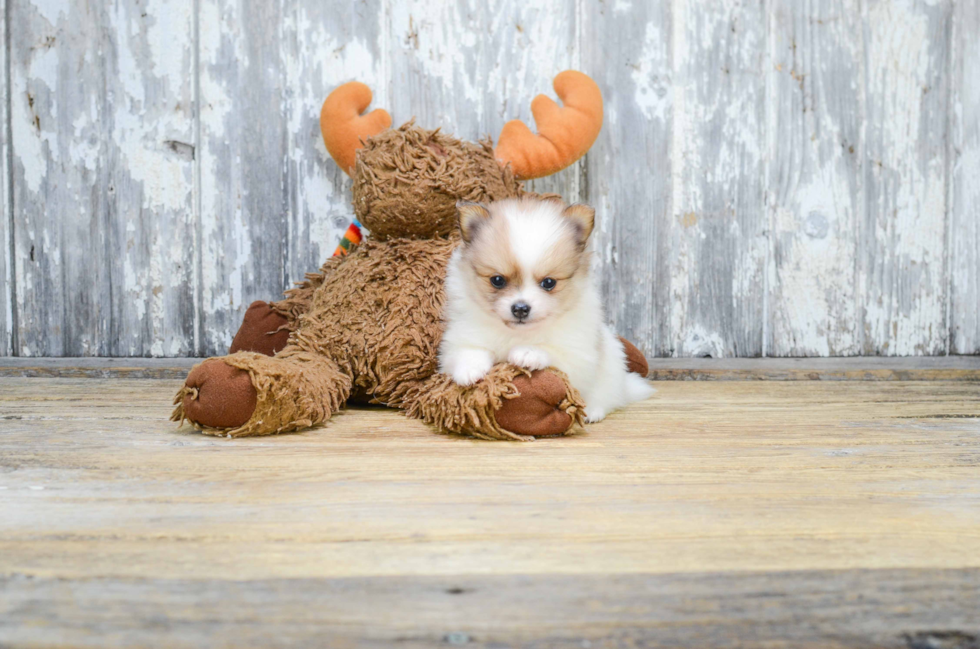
{"x": 520, "y": 289}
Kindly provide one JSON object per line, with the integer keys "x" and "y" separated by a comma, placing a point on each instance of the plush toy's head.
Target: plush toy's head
{"x": 407, "y": 180}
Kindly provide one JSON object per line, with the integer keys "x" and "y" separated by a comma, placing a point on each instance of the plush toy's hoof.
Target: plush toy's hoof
{"x": 536, "y": 411}
{"x": 217, "y": 395}
{"x": 260, "y": 331}
{"x": 636, "y": 362}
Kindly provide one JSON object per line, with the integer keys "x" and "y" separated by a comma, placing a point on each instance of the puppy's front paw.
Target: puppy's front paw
{"x": 530, "y": 358}
{"x": 470, "y": 366}
{"x": 593, "y": 415}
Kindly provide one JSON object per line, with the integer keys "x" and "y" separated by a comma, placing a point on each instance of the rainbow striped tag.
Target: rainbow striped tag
{"x": 351, "y": 238}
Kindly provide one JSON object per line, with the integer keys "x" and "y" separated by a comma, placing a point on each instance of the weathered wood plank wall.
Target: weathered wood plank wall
{"x": 6, "y": 275}
{"x": 814, "y": 177}
{"x": 963, "y": 167}
{"x": 103, "y": 219}
{"x": 775, "y": 177}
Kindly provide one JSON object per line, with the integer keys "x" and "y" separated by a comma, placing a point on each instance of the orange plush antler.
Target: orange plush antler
{"x": 565, "y": 133}
{"x": 344, "y": 127}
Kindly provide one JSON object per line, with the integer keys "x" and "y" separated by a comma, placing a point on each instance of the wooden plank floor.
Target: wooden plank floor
{"x": 778, "y": 514}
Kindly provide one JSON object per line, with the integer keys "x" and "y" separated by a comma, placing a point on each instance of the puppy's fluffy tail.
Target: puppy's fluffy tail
{"x": 638, "y": 388}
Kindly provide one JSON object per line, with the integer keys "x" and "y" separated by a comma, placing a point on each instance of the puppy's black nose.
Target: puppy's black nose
{"x": 520, "y": 310}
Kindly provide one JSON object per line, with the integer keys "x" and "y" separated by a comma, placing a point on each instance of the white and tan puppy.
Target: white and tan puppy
{"x": 519, "y": 289}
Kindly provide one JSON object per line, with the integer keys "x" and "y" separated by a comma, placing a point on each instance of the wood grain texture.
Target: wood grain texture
{"x": 888, "y": 609}
{"x": 7, "y": 282}
{"x": 469, "y": 67}
{"x": 773, "y": 178}
{"x": 243, "y": 153}
{"x": 724, "y": 513}
{"x": 707, "y": 476}
{"x": 903, "y": 242}
{"x": 102, "y": 124}
{"x": 60, "y": 194}
{"x": 149, "y": 105}
{"x": 816, "y": 193}
{"x": 324, "y": 44}
{"x": 964, "y": 179}
{"x": 718, "y": 231}
{"x": 629, "y": 167}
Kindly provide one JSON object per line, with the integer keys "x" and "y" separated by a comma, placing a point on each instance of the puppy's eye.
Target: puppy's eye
{"x": 498, "y": 281}
{"x": 548, "y": 283}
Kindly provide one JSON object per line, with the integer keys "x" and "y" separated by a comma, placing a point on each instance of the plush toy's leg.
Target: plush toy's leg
{"x": 251, "y": 394}
{"x": 636, "y": 362}
{"x": 266, "y": 326}
{"x": 264, "y": 331}
{"x": 509, "y": 403}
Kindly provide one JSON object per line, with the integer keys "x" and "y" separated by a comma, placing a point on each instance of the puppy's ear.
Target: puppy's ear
{"x": 470, "y": 216}
{"x": 583, "y": 217}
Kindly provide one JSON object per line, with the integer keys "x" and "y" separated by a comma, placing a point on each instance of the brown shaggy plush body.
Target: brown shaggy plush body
{"x": 372, "y": 331}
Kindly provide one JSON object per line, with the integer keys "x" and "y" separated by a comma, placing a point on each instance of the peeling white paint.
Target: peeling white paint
{"x": 6, "y": 235}
{"x": 27, "y": 141}
{"x": 622, "y": 7}
{"x": 651, "y": 74}
{"x": 815, "y": 183}
{"x": 905, "y": 305}
{"x": 328, "y": 59}
{"x": 33, "y": 132}
{"x": 718, "y": 248}
{"x": 439, "y": 37}
{"x": 699, "y": 342}
{"x": 694, "y": 98}
{"x": 51, "y": 10}
{"x": 964, "y": 182}
{"x": 226, "y": 235}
